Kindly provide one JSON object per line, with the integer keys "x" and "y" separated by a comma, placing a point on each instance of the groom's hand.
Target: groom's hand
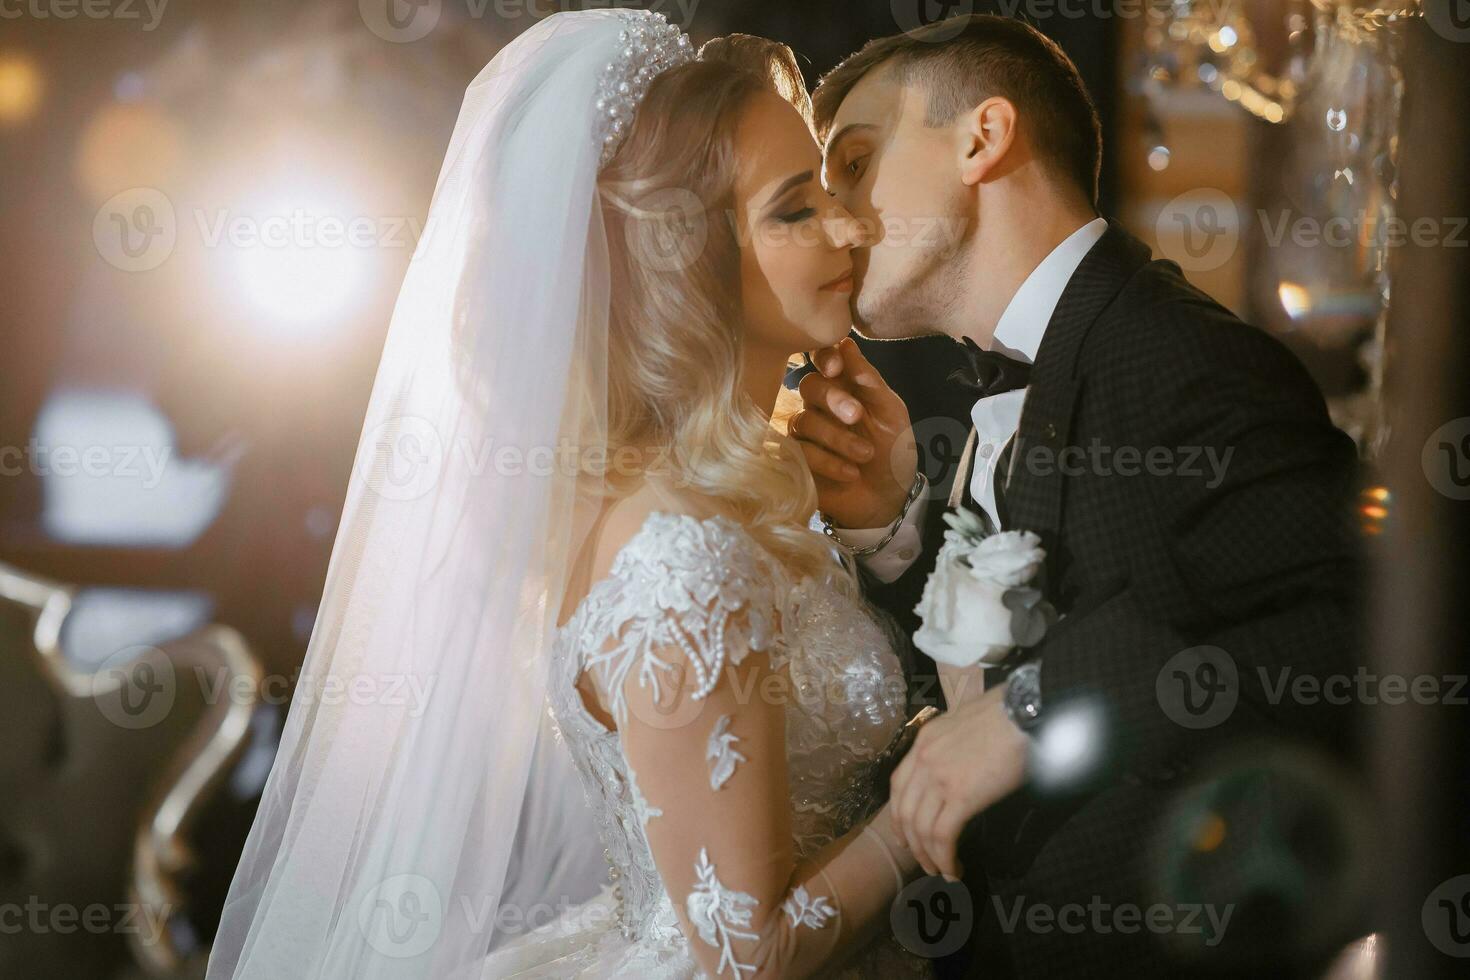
{"x": 855, "y": 433}
{"x": 961, "y": 763}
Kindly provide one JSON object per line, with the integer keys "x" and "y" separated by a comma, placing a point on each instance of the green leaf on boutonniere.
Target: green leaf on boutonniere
{"x": 966, "y": 523}
{"x": 1031, "y": 615}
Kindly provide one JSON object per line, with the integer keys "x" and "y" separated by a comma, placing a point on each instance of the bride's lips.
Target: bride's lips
{"x": 842, "y": 284}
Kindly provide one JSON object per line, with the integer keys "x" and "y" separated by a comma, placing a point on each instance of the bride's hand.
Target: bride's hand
{"x": 855, "y": 433}
{"x": 961, "y": 764}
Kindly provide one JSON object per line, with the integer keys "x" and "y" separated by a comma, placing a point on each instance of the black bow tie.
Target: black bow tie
{"x": 990, "y": 372}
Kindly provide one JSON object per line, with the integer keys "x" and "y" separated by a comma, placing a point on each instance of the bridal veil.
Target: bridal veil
{"x": 390, "y": 822}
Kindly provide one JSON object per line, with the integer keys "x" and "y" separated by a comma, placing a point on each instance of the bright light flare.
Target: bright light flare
{"x": 1069, "y": 746}
{"x": 303, "y": 257}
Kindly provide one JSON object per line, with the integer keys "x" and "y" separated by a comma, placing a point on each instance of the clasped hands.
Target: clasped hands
{"x": 858, "y": 441}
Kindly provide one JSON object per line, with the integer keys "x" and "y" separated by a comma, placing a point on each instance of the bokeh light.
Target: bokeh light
{"x": 127, "y": 146}
{"x": 20, "y": 88}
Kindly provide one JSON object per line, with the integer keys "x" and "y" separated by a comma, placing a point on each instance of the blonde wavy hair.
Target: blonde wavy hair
{"x": 675, "y": 333}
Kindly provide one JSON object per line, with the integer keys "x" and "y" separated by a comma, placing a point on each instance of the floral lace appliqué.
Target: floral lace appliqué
{"x": 717, "y": 912}
{"x": 805, "y": 909}
{"x": 697, "y": 573}
{"x": 710, "y": 593}
{"x": 721, "y": 753}
{"x": 644, "y": 810}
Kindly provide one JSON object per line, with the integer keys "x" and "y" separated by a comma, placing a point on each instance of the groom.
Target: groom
{"x": 1179, "y": 466}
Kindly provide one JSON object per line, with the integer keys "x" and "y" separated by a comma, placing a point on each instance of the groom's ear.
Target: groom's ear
{"x": 985, "y": 135}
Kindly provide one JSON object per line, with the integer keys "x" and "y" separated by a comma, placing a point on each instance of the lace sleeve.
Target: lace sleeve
{"x": 697, "y": 686}
{"x": 694, "y": 593}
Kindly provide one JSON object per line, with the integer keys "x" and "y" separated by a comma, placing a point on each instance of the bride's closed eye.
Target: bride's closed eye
{"x": 794, "y": 217}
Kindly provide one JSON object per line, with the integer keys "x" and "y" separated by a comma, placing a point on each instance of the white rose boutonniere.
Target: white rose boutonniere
{"x": 979, "y": 604}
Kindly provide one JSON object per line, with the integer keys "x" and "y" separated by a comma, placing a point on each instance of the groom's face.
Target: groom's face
{"x": 900, "y": 178}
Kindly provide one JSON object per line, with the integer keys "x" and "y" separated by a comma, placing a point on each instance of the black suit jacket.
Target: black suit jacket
{"x": 1190, "y": 491}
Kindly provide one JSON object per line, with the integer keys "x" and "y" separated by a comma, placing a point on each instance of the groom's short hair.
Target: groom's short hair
{"x": 962, "y": 61}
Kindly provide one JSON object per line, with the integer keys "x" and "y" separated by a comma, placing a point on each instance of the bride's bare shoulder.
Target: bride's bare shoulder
{"x": 628, "y": 516}
{"x": 616, "y": 524}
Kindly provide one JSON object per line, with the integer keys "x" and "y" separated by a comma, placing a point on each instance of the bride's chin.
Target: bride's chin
{"x": 828, "y": 334}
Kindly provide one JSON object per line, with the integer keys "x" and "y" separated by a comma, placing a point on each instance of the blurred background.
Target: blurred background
{"x": 208, "y": 207}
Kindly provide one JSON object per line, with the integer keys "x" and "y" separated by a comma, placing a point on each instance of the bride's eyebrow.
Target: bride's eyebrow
{"x": 786, "y": 185}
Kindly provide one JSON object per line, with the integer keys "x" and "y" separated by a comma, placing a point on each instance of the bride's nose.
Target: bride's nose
{"x": 841, "y": 228}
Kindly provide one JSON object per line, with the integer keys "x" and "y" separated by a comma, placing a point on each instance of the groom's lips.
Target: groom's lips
{"x": 842, "y": 284}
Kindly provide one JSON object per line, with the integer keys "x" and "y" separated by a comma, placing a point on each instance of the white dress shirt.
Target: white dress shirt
{"x": 1018, "y": 334}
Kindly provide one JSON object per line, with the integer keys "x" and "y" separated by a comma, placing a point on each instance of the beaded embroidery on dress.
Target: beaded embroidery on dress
{"x": 709, "y": 588}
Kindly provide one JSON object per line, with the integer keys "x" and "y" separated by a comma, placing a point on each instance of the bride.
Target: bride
{"x": 569, "y": 493}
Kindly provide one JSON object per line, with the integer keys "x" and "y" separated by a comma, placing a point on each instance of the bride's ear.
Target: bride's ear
{"x": 984, "y": 136}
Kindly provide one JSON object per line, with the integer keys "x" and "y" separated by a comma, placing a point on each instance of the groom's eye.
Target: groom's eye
{"x": 854, "y": 166}
{"x": 795, "y": 216}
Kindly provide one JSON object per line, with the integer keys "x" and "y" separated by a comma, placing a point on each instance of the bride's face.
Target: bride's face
{"x": 795, "y": 239}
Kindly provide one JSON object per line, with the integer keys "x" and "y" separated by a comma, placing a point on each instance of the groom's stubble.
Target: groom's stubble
{"x": 918, "y": 288}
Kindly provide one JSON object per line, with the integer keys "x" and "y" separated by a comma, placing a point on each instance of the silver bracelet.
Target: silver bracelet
{"x": 872, "y": 549}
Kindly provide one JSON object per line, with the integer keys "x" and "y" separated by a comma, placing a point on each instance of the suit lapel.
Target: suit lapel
{"x": 1034, "y": 487}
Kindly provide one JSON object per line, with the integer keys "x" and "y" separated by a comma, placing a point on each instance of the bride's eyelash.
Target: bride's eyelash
{"x": 796, "y": 216}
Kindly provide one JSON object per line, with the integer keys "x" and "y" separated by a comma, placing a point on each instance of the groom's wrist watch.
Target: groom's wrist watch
{"x": 1022, "y": 698}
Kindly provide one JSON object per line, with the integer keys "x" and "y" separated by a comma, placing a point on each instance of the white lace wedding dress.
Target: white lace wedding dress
{"x": 706, "y": 588}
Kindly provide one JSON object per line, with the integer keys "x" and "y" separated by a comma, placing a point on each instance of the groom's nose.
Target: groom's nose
{"x": 843, "y": 230}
